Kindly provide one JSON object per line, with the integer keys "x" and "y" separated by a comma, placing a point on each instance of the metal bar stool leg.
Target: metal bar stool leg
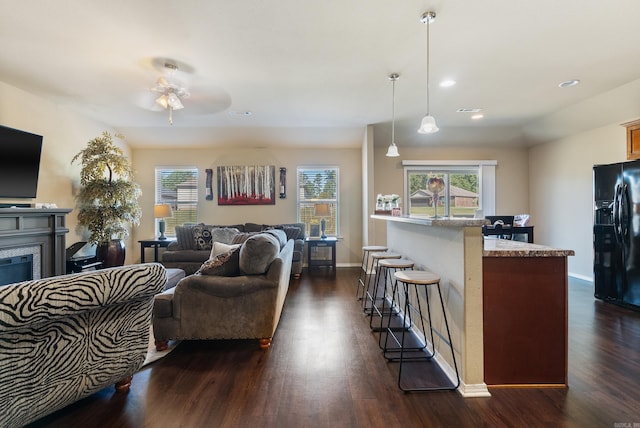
{"x": 364, "y": 268}
{"x": 416, "y": 278}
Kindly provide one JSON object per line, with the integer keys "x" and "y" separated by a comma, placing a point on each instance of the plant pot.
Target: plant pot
{"x": 111, "y": 254}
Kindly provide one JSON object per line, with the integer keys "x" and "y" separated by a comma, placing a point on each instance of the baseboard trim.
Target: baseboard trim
{"x": 474, "y": 390}
{"x": 582, "y": 277}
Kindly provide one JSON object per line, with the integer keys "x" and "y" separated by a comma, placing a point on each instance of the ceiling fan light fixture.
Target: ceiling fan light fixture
{"x": 174, "y": 101}
{"x": 163, "y": 101}
{"x": 428, "y": 125}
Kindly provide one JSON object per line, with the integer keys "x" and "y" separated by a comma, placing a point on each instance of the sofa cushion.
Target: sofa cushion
{"x": 218, "y": 248}
{"x": 279, "y": 235}
{"x": 223, "y": 234}
{"x": 254, "y": 227}
{"x": 224, "y": 264}
{"x": 257, "y": 253}
{"x": 243, "y": 236}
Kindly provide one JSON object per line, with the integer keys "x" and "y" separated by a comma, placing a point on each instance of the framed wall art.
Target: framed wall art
{"x": 247, "y": 185}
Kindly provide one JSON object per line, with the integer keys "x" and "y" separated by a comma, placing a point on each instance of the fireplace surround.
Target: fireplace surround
{"x": 40, "y": 233}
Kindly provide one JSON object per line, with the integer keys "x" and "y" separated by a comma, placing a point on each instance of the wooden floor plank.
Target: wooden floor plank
{"x": 325, "y": 369}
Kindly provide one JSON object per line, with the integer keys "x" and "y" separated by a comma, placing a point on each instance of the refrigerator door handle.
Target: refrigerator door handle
{"x": 624, "y": 211}
{"x": 616, "y": 213}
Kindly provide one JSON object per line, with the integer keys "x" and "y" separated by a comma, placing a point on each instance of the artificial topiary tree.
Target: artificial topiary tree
{"x": 108, "y": 198}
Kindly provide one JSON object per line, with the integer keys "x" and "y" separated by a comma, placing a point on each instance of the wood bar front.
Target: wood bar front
{"x": 525, "y": 320}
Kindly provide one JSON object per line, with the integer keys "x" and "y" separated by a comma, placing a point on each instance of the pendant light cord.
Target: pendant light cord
{"x": 393, "y": 109}
{"x": 428, "y": 109}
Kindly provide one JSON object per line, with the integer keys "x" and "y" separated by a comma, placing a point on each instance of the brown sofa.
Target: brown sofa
{"x": 193, "y": 244}
{"x": 239, "y": 303}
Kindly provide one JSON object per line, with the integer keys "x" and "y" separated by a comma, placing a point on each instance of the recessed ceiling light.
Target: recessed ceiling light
{"x": 477, "y": 116}
{"x": 447, "y": 83}
{"x": 468, "y": 110}
{"x": 567, "y": 83}
{"x": 239, "y": 113}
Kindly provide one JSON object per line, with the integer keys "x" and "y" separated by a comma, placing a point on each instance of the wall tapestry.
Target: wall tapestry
{"x": 247, "y": 185}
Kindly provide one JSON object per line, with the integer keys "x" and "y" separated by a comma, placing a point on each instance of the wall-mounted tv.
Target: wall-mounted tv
{"x": 19, "y": 163}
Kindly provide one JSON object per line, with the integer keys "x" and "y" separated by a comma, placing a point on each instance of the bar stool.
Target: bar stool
{"x": 386, "y": 269}
{"x": 420, "y": 278}
{"x": 364, "y": 267}
{"x": 370, "y": 290}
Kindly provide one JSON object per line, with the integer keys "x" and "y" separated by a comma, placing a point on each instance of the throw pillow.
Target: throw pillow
{"x": 218, "y": 248}
{"x": 279, "y": 235}
{"x": 184, "y": 237}
{"x": 225, "y": 264}
{"x": 257, "y": 253}
{"x": 292, "y": 232}
{"x": 223, "y": 234}
{"x": 201, "y": 237}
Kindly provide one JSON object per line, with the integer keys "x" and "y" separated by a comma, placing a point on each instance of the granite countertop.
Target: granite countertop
{"x": 508, "y": 248}
{"x": 437, "y": 222}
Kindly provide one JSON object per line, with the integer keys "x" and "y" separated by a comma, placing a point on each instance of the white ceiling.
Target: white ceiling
{"x": 315, "y": 73}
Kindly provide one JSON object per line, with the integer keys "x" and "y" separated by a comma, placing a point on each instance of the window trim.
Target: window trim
{"x": 157, "y": 191}
{"x": 486, "y": 178}
{"x": 336, "y": 201}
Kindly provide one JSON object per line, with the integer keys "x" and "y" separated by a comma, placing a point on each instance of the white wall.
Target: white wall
{"x": 561, "y": 190}
{"x": 64, "y": 133}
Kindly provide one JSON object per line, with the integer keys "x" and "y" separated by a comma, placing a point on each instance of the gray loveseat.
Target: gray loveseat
{"x": 66, "y": 337}
{"x": 193, "y": 244}
{"x": 240, "y": 297}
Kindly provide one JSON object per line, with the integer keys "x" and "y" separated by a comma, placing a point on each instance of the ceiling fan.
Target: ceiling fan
{"x": 171, "y": 94}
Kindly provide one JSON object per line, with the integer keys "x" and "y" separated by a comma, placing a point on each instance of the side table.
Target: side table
{"x": 156, "y": 244}
{"x": 316, "y": 256}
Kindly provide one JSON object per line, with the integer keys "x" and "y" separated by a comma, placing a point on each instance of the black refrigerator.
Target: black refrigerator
{"x": 616, "y": 233}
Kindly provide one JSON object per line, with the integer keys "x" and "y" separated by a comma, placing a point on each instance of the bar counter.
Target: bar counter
{"x": 501, "y": 297}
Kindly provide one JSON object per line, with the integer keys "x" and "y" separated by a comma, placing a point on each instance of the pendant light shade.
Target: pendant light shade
{"x": 428, "y": 125}
{"x": 392, "y": 152}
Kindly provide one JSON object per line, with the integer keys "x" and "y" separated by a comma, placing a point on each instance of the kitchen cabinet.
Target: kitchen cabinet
{"x": 633, "y": 139}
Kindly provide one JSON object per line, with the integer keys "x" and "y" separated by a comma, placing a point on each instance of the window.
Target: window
{"x": 178, "y": 187}
{"x": 317, "y": 191}
{"x": 468, "y": 191}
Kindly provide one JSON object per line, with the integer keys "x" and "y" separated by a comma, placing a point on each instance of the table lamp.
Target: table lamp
{"x": 161, "y": 211}
{"x": 322, "y": 211}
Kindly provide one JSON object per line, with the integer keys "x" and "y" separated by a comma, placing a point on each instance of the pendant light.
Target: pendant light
{"x": 428, "y": 125}
{"x": 393, "y": 149}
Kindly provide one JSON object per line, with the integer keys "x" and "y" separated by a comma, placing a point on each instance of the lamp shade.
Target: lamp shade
{"x": 162, "y": 210}
{"x": 428, "y": 125}
{"x": 392, "y": 152}
{"x": 321, "y": 210}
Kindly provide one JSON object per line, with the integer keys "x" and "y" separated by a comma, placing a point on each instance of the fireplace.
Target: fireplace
{"x": 32, "y": 243}
{"x": 16, "y": 269}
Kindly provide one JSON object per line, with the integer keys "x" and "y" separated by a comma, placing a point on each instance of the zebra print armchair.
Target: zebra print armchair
{"x": 64, "y": 338}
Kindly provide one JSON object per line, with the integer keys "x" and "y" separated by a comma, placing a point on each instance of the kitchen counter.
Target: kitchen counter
{"x": 508, "y": 248}
{"x": 506, "y": 300}
{"x": 435, "y": 222}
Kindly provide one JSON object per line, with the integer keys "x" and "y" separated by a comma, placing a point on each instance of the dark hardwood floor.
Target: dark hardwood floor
{"x": 325, "y": 369}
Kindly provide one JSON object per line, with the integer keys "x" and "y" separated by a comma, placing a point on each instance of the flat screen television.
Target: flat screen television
{"x": 19, "y": 163}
